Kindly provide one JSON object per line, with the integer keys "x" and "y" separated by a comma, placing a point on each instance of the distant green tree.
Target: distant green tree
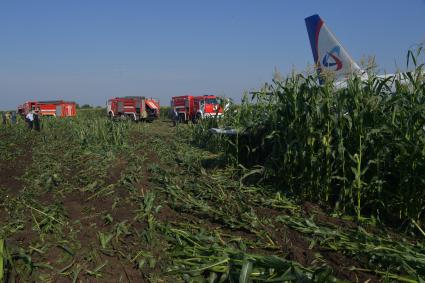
{"x": 86, "y": 106}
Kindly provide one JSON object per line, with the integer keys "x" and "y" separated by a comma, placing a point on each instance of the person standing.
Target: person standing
{"x": 3, "y": 117}
{"x": 30, "y": 119}
{"x": 36, "y": 121}
{"x": 8, "y": 118}
{"x": 174, "y": 116}
{"x": 13, "y": 119}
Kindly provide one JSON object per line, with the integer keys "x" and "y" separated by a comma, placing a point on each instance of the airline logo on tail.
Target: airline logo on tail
{"x": 328, "y": 52}
{"x": 331, "y": 59}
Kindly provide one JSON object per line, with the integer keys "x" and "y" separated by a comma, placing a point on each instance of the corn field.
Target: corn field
{"x": 359, "y": 149}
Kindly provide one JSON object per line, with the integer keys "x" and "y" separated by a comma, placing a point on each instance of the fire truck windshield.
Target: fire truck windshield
{"x": 211, "y": 101}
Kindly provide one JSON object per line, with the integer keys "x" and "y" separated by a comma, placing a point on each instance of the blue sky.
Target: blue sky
{"x": 88, "y": 51}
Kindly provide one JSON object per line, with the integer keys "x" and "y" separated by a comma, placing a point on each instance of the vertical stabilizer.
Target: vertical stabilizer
{"x": 328, "y": 53}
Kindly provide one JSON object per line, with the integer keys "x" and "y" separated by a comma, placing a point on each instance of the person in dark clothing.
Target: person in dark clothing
{"x": 3, "y": 116}
{"x": 36, "y": 121}
{"x": 174, "y": 116}
{"x": 13, "y": 118}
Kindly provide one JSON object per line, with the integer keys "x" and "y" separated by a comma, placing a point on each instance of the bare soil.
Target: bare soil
{"x": 12, "y": 170}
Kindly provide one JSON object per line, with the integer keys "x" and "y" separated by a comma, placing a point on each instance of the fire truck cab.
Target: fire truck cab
{"x": 192, "y": 108}
{"x": 137, "y": 108}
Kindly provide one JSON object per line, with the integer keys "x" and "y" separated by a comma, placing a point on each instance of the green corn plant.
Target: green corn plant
{"x": 358, "y": 183}
{"x": 105, "y": 239}
{"x": 97, "y": 271}
{"x": 2, "y": 261}
{"x": 382, "y": 250}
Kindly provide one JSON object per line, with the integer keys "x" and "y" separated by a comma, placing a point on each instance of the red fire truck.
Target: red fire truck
{"x": 57, "y": 108}
{"x": 193, "y": 108}
{"x": 137, "y": 108}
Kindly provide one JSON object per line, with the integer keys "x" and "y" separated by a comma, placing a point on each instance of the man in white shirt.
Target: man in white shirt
{"x": 30, "y": 119}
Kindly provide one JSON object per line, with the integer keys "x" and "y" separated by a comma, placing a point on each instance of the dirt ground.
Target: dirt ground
{"x": 74, "y": 251}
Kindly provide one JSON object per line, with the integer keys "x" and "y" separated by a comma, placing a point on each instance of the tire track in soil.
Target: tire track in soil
{"x": 87, "y": 215}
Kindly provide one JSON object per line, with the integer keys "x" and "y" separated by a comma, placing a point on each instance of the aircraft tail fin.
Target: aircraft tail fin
{"x": 328, "y": 53}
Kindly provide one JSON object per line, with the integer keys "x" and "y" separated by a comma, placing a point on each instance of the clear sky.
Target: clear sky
{"x": 90, "y": 50}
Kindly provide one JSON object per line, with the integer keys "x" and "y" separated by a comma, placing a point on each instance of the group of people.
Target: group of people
{"x": 32, "y": 119}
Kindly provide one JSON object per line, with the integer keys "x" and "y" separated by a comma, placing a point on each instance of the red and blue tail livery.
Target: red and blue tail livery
{"x": 328, "y": 53}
